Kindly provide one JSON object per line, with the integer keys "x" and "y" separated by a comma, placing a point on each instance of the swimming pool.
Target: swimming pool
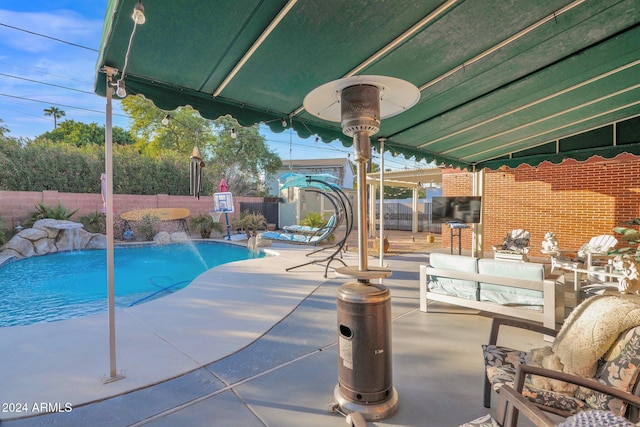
{"x": 74, "y": 284}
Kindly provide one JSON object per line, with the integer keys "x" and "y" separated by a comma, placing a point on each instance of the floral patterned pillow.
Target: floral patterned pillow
{"x": 620, "y": 371}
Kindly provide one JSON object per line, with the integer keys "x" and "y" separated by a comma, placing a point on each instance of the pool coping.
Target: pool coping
{"x": 222, "y": 311}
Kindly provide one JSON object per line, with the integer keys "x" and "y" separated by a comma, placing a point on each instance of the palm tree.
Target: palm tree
{"x": 56, "y": 113}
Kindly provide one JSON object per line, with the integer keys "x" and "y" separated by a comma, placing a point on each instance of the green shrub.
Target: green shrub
{"x": 3, "y": 231}
{"x": 43, "y": 211}
{"x": 41, "y": 165}
{"x": 94, "y": 222}
{"x": 250, "y": 222}
{"x": 147, "y": 228}
{"x": 313, "y": 219}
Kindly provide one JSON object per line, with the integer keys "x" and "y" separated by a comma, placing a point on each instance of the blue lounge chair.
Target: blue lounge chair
{"x": 306, "y": 229}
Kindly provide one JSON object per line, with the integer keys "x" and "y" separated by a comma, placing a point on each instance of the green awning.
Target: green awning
{"x": 501, "y": 82}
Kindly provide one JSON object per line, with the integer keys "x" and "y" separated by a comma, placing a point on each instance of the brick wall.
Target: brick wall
{"x": 575, "y": 200}
{"x": 15, "y": 206}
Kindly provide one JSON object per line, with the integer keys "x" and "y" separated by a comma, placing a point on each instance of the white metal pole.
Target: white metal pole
{"x": 108, "y": 165}
{"x": 382, "y": 210}
{"x": 414, "y": 210}
{"x": 372, "y": 211}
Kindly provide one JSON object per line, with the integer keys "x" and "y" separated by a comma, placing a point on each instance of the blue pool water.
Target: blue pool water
{"x": 73, "y": 284}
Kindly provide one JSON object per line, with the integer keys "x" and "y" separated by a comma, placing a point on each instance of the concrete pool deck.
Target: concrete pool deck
{"x": 246, "y": 344}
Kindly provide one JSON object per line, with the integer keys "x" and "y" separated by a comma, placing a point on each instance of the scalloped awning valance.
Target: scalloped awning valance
{"x": 502, "y": 83}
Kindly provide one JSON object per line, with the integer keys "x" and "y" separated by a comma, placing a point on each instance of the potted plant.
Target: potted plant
{"x": 204, "y": 224}
{"x": 376, "y": 243}
{"x": 254, "y": 222}
{"x": 629, "y": 234}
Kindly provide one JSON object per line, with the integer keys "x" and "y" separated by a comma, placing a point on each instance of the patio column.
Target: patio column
{"x": 478, "y": 230}
{"x": 414, "y": 210}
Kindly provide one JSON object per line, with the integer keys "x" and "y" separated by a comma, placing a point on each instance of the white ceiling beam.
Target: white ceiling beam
{"x": 534, "y": 103}
{"x": 396, "y": 42}
{"x": 272, "y": 26}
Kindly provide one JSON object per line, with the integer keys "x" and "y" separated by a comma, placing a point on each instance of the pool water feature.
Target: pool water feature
{"x": 74, "y": 284}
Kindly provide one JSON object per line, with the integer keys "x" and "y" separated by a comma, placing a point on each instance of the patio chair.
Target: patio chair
{"x": 515, "y": 246}
{"x": 512, "y": 403}
{"x": 599, "y": 341}
{"x": 597, "y": 247}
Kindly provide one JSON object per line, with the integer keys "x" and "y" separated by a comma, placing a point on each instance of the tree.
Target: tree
{"x": 82, "y": 134}
{"x": 184, "y": 129}
{"x": 3, "y": 129}
{"x": 56, "y": 113}
{"x": 243, "y": 161}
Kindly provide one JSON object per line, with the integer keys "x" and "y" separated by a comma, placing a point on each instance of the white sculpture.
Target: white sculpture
{"x": 550, "y": 243}
{"x": 629, "y": 283}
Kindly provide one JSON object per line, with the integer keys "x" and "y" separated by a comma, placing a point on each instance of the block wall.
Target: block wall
{"x": 15, "y": 206}
{"x": 575, "y": 200}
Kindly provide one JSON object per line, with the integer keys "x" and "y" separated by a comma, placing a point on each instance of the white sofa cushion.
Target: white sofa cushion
{"x": 445, "y": 285}
{"x": 517, "y": 270}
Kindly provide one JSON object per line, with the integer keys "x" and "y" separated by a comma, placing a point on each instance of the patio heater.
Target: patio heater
{"x": 364, "y": 309}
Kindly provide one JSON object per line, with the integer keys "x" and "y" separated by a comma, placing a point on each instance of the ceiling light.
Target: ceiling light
{"x": 165, "y": 120}
{"x": 233, "y": 133}
{"x": 121, "y": 91}
{"x": 138, "y": 13}
{"x": 284, "y": 123}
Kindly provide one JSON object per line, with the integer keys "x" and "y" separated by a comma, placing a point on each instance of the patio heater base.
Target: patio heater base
{"x": 364, "y": 347}
{"x": 377, "y": 412}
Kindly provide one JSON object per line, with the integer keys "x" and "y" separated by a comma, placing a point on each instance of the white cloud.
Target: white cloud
{"x": 62, "y": 24}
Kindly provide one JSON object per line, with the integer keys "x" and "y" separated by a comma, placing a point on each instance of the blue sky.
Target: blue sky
{"x": 48, "y": 53}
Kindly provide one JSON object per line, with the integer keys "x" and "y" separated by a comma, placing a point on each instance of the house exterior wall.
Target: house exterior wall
{"x": 574, "y": 200}
{"x": 343, "y": 172}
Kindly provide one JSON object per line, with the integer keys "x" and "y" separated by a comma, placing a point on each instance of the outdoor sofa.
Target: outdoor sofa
{"x": 523, "y": 290}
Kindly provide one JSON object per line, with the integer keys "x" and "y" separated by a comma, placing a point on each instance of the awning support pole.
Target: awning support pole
{"x": 108, "y": 166}
{"x": 382, "y": 207}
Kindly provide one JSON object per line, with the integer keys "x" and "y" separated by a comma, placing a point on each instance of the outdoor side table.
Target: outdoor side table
{"x": 457, "y": 226}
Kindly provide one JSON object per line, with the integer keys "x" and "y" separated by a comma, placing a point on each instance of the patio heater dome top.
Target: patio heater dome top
{"x": 396, "y": 96}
